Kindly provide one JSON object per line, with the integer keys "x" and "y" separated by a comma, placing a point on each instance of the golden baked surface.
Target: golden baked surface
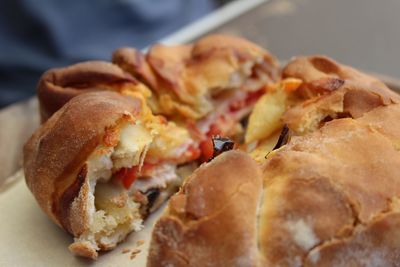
{"x": 313, "y": 182}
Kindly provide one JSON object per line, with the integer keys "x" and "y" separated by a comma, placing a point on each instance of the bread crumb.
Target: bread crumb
{"x": 126, "y": 250}
{"x": 134, "y": 253}
{"x": 139, "y": 242}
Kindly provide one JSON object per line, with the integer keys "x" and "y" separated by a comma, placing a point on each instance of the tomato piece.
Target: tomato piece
{"x": 130, "y": 177}
{"x": 127, "y": 176}
{"x": 207, "y": 150}
{"x": 214, "y": 130}
{"x": 119, "y": 175}
{"x": 194, "y": 153}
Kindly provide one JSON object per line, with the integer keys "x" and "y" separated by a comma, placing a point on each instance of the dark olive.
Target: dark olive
{"x": 221, "y": 144}
{"x": 283, "y": 137}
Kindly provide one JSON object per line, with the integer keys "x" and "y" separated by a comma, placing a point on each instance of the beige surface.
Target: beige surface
{"x": 29, "y": 238}
{"x": 17, "y": 124}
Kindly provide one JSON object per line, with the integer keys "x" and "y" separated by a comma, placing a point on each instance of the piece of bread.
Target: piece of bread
{"x": 314, "y": 90}
{"x": 211, "y": 221}
{"x": 57, "y": 86}
{"x": 332, "y": 90}
{"x": 330, "y": 195}
{"x": 330, "y": 198}
{"x": 100, "y": 164}
{"x": 191, "y": 80}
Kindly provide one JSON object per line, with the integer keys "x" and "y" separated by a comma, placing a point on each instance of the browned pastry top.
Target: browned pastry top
{"x": 329, "y": 194}
{"x": 58, "y": 86}
{"x": 185, "y": 76}
{"x": 211, "y": 221}
{"x": 54, "y": 154}
{"x": 332, "y": 90}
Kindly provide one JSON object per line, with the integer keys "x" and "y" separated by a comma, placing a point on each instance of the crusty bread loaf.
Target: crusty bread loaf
{"x": 330, "y": 196}
{"x": 53, "y": 156}
{"x": 187, "y": 78}
{"x": 328, "y": 192}
{"x": 183, "y": 78}
{"x": 72, "y": 161}
{"x": 56, "y": 159}
{"x": 211, "y": 221}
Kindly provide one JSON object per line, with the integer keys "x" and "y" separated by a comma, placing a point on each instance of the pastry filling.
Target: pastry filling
{"x": 124, "y": 187}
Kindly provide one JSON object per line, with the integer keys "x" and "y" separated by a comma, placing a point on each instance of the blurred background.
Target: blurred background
{"x": 36, "y": 35}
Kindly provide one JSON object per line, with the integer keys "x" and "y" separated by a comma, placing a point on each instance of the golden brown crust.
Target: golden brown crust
{"x": 332, "y": 90}
{"x": 376, "y": 244}
{"x": 331, "y": 196}
{"x": 211, "y": 221}
{"x": 185, "y": 77}
{"x": 55, "y": 155}
{"x": 57, "y": 86}
{"x": 317, "y": 67}
{"x": 84, "y": 249}
{"x": 331, "y": 186}
{"x": 321, "y": 74}
{"x": 129, "y": 58}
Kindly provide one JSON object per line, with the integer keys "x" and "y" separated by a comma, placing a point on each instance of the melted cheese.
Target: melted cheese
{"x": 134, "y": 139}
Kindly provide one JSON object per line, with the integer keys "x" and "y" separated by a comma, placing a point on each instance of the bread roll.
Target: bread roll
{"x": 329, "y": 196}
{"x": 212, "y": 220}
{"x": 100, "y": 164}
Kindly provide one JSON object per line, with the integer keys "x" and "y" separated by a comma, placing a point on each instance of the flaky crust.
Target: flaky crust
{"x": 330, "y": 199}
{"x": 332, "y": 90}
{"x": 330, "y": 194}
{"x": 211, "y": 221}
{"x": 185, "y": 77}
{"x": 57, "y": 86}
{"x": 55, "y": 155}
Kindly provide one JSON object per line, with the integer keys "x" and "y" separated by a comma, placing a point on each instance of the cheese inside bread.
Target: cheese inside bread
{"x": 214, "y": 81}
{"x": 111, "y": 163}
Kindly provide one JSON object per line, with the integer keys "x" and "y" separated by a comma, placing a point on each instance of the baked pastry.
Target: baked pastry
{"x": 212, "y": 220}
{"x": 313, "y": 91}
{"x": 329, "y": 195}
{"x": 330, "y": 198}
{"x": 101, "y": 163}
{"x": 210, "y": 85}
{"x": 57, "y": 86}
{"x": 332, "y": 90}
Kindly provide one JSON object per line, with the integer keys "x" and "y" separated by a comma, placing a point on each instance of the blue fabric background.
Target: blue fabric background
{"x": 36, "y": 35}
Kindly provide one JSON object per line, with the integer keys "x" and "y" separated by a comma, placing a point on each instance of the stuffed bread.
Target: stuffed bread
{"x": 100, "y": 164}
{"x": 210, "y": 85}
{"x": 329, "y": 194}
